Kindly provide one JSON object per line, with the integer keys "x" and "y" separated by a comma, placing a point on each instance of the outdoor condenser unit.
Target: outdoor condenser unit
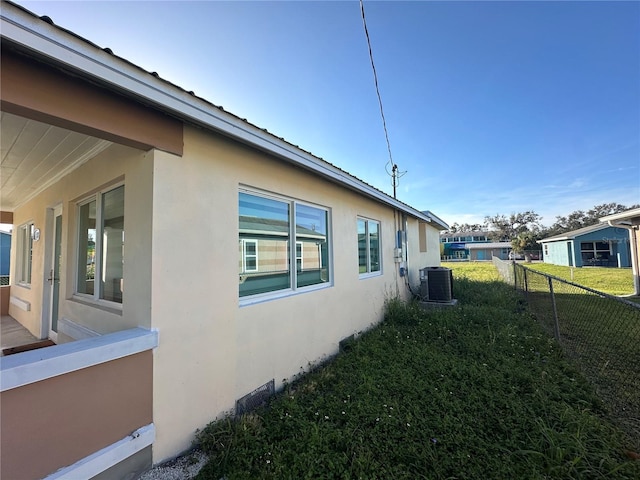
{"x": 436, "y": 284}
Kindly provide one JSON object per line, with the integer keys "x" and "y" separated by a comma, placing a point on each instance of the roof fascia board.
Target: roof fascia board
{"x": 572, "y": 235}
{"x": 33, "y": 34}
{"x": 435, "y": 219}
{"x": 622, "y": 216}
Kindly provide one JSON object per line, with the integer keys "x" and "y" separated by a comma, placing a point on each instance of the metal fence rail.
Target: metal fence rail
{"x": 599, "y": 331}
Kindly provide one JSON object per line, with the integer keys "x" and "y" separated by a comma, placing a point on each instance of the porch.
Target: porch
{"x": 78, "y": 409}
{"x": 14, "y": 338}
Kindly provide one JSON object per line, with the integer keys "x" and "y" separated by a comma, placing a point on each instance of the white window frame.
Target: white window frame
{"x": 293, "y": 288}
{"x": 245, "y": 255}
{"x": 300, "y": 258}
{"x": 369, "y": 273}
{"x": 24, "y": 254}
{"x": 95, "y": 297}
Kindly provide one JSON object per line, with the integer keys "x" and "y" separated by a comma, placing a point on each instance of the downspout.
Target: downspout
{"x": 635, "y": 268}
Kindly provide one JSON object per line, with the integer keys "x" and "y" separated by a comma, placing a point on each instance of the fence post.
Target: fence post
{"x": 526, "y": 284}
{"x": 556, "y": 327}
{"x": 515, "y": 276}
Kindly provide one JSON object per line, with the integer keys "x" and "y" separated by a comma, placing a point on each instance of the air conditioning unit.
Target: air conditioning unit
{"x": 436, "y": 284}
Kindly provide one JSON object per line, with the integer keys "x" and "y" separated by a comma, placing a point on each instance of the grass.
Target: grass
{"x": 602, "y": 334}
{"x": 479, "y": 391}
{"x": 615, "y": 281}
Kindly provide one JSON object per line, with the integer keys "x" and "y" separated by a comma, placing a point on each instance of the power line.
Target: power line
{"x": 395, "y": 175}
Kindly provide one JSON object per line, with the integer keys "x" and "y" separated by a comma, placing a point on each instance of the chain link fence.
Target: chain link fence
{"x": 600, "y": 332}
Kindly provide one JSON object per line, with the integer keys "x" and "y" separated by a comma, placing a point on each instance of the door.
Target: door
{"x": 54, "y": 272}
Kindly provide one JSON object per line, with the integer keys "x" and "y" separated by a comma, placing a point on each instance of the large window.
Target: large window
{"x": 283, "y": 244}
{"x": 594, "y": 252}
{"x": 101, "y": 246}
{"x": 368, "y": 246}
{"x": 24, "y": 253}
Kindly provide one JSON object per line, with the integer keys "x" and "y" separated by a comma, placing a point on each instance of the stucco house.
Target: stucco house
{"x": 629, "y": 221}
{"x": 178, "y": 256}
{"x": 599, "y": 245}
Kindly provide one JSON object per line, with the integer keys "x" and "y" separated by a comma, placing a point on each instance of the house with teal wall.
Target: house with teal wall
{"x": 594, "y": 246}
{"x": 453, "y": 246}
{"x": 5, "y": 253}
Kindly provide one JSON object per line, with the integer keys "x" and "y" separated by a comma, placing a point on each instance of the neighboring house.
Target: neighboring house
{"x": 454, "y": 246}
{"x": 179, "y": 256}
{"x": 629, "y": 221}
{"x": 486, "y": 251}
{"x": 5, "y": 253}
{"x": 594, "y": 246}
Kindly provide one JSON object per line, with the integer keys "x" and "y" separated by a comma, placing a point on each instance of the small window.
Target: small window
{"x": 368, "y": 246}
{"x": 24, "y": 253}
{"x": 249, "y": 255}
{"x": 299, "y": 256}
{"x": 100, "y": 260}
{"x": 283, "y": 231}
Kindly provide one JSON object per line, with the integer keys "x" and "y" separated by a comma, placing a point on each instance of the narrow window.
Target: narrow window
{"x": 313, "y": 239}
{"x": 299, "y": 256}
{"x": 24, "y": 253}
{"x": 368, "y": 246}
{"x": 100, "y": 261}
{"x": 250, "y": 255}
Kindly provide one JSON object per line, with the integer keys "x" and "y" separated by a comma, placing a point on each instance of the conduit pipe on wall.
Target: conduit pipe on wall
{"x": 635, "y": 268}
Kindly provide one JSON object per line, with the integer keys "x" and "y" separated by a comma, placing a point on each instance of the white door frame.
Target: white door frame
{"x": 49, "y": 258}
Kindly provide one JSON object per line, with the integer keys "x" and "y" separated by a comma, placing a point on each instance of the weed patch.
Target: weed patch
{"x": 477, "y": 391}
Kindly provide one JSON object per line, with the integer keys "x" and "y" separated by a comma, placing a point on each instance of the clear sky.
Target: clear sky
{"x": 491, "y": 107}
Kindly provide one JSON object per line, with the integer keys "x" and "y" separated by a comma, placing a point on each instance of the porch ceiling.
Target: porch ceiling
{"x": 34, "y": 155}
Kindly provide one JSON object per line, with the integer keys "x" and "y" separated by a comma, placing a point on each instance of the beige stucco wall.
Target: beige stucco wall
{"x": 212, "y": 350}
{"x": 113, "y": 164}
{"x": 181, "y": 275}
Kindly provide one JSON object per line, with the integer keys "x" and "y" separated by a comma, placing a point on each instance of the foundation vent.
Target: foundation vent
{"x": 255, "y": 399}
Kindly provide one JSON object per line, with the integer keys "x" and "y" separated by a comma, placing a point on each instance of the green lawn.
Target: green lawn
{"x": 473, "y": 392}
{"x": 616, "y": 281}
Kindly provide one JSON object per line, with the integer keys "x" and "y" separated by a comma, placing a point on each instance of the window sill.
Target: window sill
{"x": 267, "y": 297}
{"x": 111, "y": 307}
{"x": 26, "y": 286}
{"x": 363, "y": 276}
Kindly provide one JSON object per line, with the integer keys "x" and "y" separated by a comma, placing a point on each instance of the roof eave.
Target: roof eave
{"x": 83, "y": 58}
{"x": 433, "y": 218}
{"x": 629, "y": 216}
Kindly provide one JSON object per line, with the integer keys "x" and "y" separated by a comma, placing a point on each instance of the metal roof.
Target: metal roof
{"x": 435, "y": 219}
{"x": 632, "y": 216}
{"x": 482, "y": 246}
{"x": 40, "y": 37}
{"x": 575, "y": 233}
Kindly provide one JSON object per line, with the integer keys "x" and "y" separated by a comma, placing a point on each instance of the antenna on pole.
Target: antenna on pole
{"x": 395, "y": 176}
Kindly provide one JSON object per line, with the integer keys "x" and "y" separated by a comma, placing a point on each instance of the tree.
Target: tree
{"x": 580, "y": 219}
{"x": 524, "y": 242}
{"x": 465, "y": 227}
{"x": 504, "y": 229}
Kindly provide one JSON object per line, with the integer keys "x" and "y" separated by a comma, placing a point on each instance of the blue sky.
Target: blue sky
{"x": 491, "y": 107}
